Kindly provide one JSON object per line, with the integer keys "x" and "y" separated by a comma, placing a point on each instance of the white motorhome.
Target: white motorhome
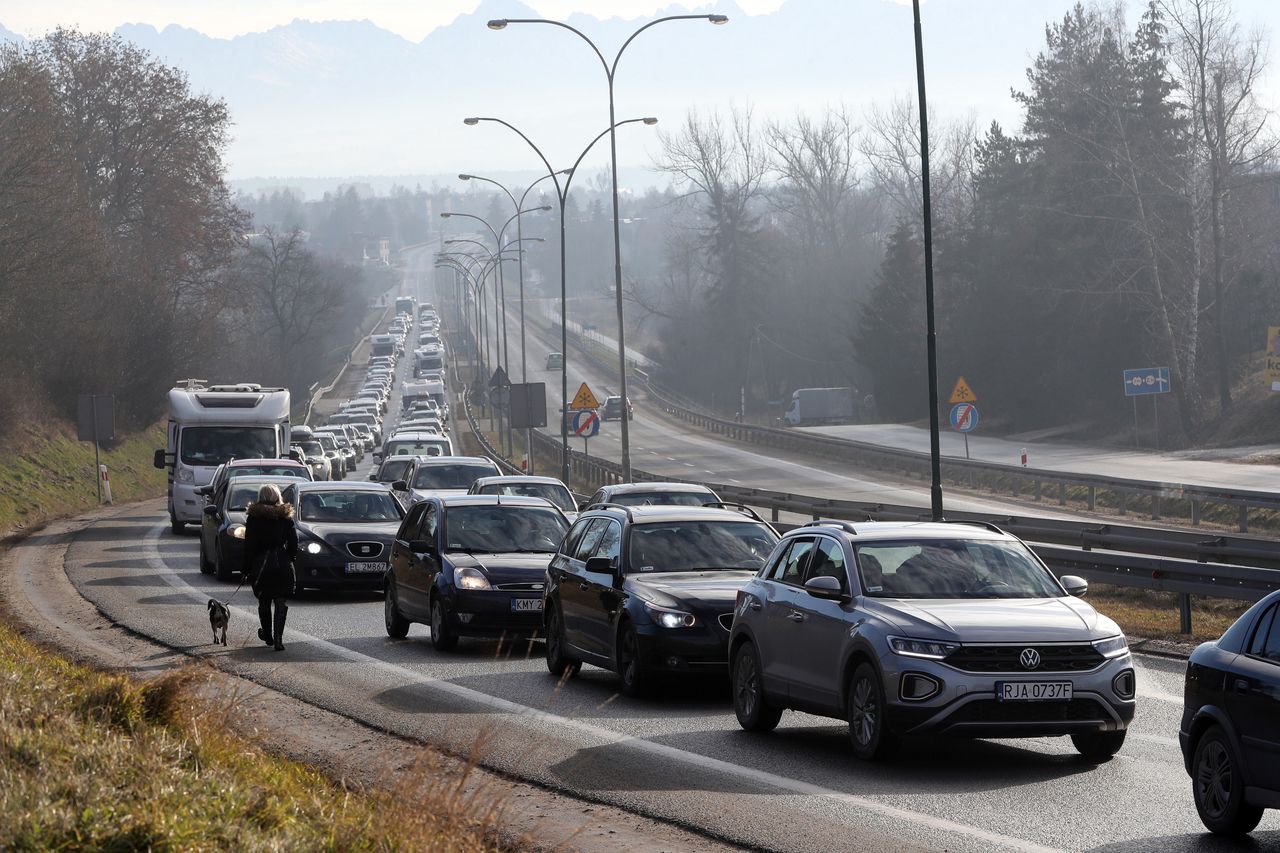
{"x": 210, "y": 425}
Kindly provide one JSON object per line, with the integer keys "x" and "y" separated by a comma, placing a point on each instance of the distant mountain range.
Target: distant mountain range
{"x": 350, "y": 98}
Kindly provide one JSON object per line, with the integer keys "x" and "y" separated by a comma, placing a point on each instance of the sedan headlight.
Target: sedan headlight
{"x": 669, "y": 618}
{"x": 313, "y": 547}
{"x": 236, "y": 531}
{"x": 465, "y": 577}
{"x": 1112, "y": 647}
{"x": 931, "y": 649}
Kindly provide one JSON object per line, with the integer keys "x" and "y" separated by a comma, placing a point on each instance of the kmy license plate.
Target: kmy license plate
{"x": 1033, "y": 691}
{"x": 526, "y": 605}
{"x": 366, "y": 568}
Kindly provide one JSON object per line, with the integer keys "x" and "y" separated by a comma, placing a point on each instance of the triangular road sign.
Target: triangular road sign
{"x": 499, "y": 379}
{"x": 584, "y": 399}
{"x": 962, "y": 393}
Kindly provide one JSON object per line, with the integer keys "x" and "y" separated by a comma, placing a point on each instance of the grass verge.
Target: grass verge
{"x": 91, "y": 760}
{"x": 1154, "y": 615}
{"x": 45, "y": 473}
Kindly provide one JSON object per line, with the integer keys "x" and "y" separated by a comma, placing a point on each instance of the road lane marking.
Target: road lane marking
{"x": 608, "y": 737}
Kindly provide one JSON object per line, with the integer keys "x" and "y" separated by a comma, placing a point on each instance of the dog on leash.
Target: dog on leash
{"x": 219, "y": 616}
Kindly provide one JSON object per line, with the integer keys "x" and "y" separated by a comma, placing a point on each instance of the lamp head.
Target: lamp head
{"x": 566, "y": 171}
{"x": 464, "y": 177}
{"x": 649, "y": 120}
{"x": 715, "y": 19}
{"x": 501, "y": 24}
{"x": 545, "y": 207}
{"x": 471, "y": 121}
{"x": 445, "y": 215}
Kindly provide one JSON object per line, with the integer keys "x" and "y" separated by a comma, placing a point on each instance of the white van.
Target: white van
{"x": 212, "y": 425}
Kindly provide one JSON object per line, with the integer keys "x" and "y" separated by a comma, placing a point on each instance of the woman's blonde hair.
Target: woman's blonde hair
{"x": 269, "y": 494}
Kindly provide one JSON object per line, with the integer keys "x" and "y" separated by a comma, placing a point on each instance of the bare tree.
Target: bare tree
{"x": 816, "y": 161}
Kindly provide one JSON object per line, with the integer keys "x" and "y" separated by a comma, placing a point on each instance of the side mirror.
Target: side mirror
{"x": 600, "y": 565}
{"x": 204, "y": 490}
{"x": 422, "y": 546}
{"x": 582, "y": 505}
{"x": 374, "y": 476}
{"x": 158, "y": 459}
{"x": 400, "y": 486}
{"x": 826, "y": 588}
{"x": 1074, "y": 585}
{"x": 211, "y": 510}
{"x": 377, "y": 454}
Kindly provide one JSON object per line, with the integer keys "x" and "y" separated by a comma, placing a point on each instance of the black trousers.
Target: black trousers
{"x": 264, "y": 613}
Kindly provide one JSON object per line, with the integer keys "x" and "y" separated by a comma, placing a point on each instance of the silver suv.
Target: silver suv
{"x": 935, "y": 628}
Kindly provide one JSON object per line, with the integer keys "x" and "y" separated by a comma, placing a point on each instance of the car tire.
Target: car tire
{"x": 397, "y": 626}
{"x": 1098, "y": 746}
{"x": 754, "y": 712}
{"x": 443, "y": 638}
{"x": 865, "y": 711}
{"x": 559, "y": 663}
{"x": 175, "y": 526}
{"x": 205, "y": 565}
{"x": 1217, "y": 786}
{"x": 220, "y": 569}
{"x": 636, "y": 680}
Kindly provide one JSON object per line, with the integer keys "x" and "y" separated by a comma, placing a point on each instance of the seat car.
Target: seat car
{"x": 548, "y": 488}
{"x": 657, "y": 494}
{"x": 222, "y": 524}
{"x": 646, "y": 591}
{"x": 344, "y": 533}
{"x": 441, "y": 475}
{"x": 1230, "y": 731}
{"x": 927, "y": 628}
{"x": 471, "y": 565}
{"x": 255, "y": 467}
{"x": 612, "y": 409}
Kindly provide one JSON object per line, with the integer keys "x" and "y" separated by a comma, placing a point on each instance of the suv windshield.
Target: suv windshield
{"x": 503, "y": 529}
{"x": 664, "y": 498}
{"x": 684, "y": 546}
{"x": 451, "y": 475}
{"x": 557, "y": 494}
{"x": 953, "y": 568}
{"x": 348, "y": 507}
{"x": 215, "y": 445}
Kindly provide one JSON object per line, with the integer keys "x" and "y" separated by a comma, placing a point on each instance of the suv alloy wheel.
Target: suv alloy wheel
{"x": 865, "y": 706}
{"x": 753, "y": 712}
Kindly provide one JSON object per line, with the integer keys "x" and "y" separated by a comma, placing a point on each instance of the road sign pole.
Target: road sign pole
{"x": 1135, "y": 424}
{"x": 966, "y": 445}
{"x": 1155, "y": 402}
{"x": 97, "y": 459}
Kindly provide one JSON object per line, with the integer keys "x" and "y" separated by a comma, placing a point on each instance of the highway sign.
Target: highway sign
{"x": 1147, "y": 380}
{"x": 528, "y": 405}
{"x": 585, "y": 424}
{"x": 962, "y": 393}
{"x": 964, "y": 417}
{"x": 584, "y": 399}
{"x": 499, "y": 379}
{"x": 1273, "y": 357}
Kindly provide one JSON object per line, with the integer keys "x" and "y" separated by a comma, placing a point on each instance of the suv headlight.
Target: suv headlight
{"x": 668, "y": 618}
{"x": 931, "y": 649}
{"x": 1112, "y": 647}
{"x": 236, "y": 531}
{"x": 465, "y": 577}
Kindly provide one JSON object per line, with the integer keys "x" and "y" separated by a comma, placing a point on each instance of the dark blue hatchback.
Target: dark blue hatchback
{"x": 471, "y": 565}
{"x": 1230, "y": 731}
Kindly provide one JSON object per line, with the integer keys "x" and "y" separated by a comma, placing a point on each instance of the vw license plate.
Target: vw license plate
{"x": 526, "y": 605}
{"x": 1033, "y": 691}
{"x": 366, "y": 568}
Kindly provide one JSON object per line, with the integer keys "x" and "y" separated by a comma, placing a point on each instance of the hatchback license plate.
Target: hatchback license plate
{"x": 1033, "y": 691}
{"x": 366, "y": 568}
{"x": 526, "y": 605}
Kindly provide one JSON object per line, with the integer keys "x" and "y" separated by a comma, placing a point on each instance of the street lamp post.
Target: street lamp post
{"x": 610, "y": 71}
{"x": 562, "y": 196}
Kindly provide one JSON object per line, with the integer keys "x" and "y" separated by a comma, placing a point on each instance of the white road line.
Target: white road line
{"x": 607, "y": 736}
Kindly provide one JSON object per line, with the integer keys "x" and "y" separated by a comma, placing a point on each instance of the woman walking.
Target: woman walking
{"x": 270, "y": 545}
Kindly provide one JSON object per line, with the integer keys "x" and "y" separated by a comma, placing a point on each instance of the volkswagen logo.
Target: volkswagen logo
{"x": 1030, "y": 659}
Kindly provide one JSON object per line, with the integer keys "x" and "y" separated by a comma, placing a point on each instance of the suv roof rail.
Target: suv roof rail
{"x": 984, "y": 524}
{"x": 738, "y": 506}
{"x": 841, "y": 523}
{"x": 610, "y": 505}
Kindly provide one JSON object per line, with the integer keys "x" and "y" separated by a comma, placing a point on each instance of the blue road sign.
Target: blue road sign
{"x": 1147, "y": 380}
{"x": 964, "y": 417}
{"x": 585, "y": 424}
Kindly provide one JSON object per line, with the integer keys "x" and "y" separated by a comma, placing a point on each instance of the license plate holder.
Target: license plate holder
{"x": 359, "y": 568}
{"x": 1033, "y": 691}
{"x": 526, "y": 605}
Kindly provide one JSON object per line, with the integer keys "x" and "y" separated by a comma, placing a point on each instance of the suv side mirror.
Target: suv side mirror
{"x": 1074, "y": 585}
{"x": 400, "y": 486}
{"x": 826, "y": 588}
{"x": 158, "y": 459}
{"x": 600, "y": 565}
{"x": 211, "y": 510}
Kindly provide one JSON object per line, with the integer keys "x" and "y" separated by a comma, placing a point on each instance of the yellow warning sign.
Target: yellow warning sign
{"x": 584, "y": 399}
{"x": 962, "y": 393}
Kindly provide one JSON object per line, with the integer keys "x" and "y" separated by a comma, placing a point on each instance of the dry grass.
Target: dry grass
{"x": 1154, "y": 615}
{"x": 94, "y": 760}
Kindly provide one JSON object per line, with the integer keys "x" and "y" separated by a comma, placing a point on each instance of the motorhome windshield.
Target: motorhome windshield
{"x": 213, "y": 445}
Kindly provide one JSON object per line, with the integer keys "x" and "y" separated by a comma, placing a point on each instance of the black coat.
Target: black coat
{"x": 270, "y": 545}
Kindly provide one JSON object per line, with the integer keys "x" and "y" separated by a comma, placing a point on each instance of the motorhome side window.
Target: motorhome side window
{"x": 213, "y": 445}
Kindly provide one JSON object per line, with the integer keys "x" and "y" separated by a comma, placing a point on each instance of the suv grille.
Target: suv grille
{"x": 365, "y": 550}
{"x": 993, "y": 711}
{"x": 1079, "y": 658}
{"x": 726, "y": 620}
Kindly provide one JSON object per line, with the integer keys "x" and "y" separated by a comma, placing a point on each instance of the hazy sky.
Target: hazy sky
{"x": 412, "y": 19}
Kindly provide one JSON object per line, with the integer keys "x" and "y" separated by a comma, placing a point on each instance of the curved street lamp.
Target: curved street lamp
{"x": 610, "y": 72}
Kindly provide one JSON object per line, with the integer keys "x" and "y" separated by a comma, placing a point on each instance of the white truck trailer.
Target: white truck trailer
{"x": 210, "y": 425}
